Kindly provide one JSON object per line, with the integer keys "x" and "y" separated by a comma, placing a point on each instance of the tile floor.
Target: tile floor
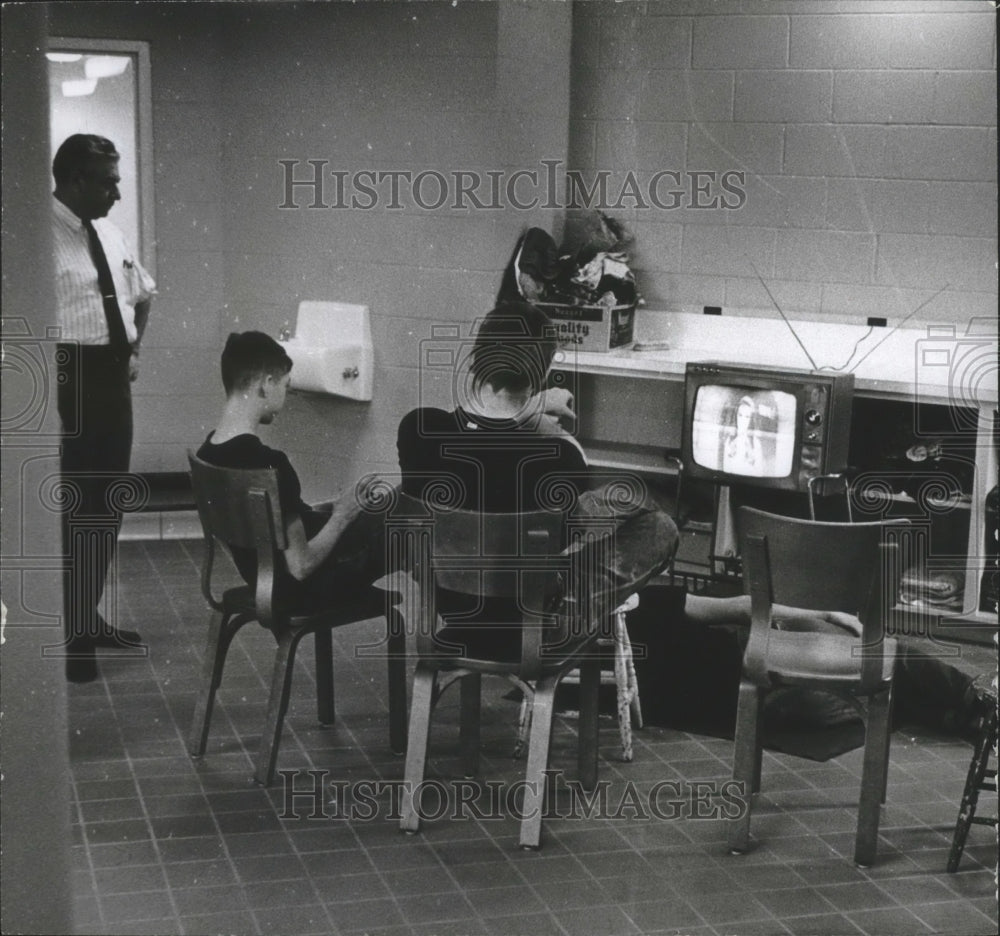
{"x": 164, "y": 844}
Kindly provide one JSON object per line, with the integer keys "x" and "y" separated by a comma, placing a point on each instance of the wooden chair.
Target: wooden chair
{"x": 980, "y": 776}
{"x": 513, "y": 556}
{"x": 241, "y": 508}
{"x": 824, "y": 567}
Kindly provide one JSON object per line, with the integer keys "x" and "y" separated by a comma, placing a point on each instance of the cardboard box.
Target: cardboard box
{"x": 592, "y": 327}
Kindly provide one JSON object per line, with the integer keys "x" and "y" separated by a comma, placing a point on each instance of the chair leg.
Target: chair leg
{"x": 396, "y": 675}
{"x": 471, "y": 696}
{"x": 590, "y": 684}
{"x": 533, "y": 804}
{"x": 974, "y": 782}
{"x": 324, "y": 676}
{"x": 221, "y": 631}
{"x": 633, "y": 683}
{"x": 416, "y": 746}
{"x": 888, "y": 734}
{"x": 623, "y": 688}
{"x": 523, "y": 725}
{"x": 277, "y": 705}
{"x": 873, "y": 781}
{"x": 746, "y": 761}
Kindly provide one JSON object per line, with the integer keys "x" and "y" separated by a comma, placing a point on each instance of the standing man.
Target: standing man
{"x": 102, "y": 298}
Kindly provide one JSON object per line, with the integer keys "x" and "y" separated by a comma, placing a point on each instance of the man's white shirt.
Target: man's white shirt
{"x": 79, "y": 307}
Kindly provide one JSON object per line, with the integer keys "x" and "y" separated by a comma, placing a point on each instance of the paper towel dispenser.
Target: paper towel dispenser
{"x": 331, "y": 350}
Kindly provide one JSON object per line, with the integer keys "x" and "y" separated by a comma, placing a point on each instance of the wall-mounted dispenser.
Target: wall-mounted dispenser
{"x": 331, "y": 350}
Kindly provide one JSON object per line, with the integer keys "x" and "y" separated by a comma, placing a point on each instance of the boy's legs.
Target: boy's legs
{"x": 642, "y": 540}
{"x": 356, "y": 560}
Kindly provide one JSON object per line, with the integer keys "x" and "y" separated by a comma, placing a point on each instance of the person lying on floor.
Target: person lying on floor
{"x": 688, "y": 657}
{"x": 332, "y": 549}
{"x": 502, "y": 450}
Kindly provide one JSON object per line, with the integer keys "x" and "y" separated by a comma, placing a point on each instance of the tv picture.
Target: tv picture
{"x": 743, "y": 431}
{"x": 765, "y": 427}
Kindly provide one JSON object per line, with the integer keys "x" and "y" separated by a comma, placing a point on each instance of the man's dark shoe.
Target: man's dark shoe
{"x": 81, "y": 663}
{"x": 108, "y": 636}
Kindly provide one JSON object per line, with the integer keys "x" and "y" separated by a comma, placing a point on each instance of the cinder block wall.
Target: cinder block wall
{"x": 474, "y": 87}
{"x": 866, "y": 132}
{"x": 477, "y": 87}
{"x": 178, "y": 385}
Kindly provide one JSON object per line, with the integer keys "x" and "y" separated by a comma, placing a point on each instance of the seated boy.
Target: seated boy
{"x": 500, "y": 451}
{"x": 501, "y": 447}
{"x": 331, "y": 552}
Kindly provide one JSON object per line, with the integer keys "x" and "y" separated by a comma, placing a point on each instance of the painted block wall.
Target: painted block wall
{"x": 436, "y": 87}
{"x": 35, "y": 807}
{"x": 866, "y": 132}
{"x": 442, "y": 89}
{"x": 178, "y": 384}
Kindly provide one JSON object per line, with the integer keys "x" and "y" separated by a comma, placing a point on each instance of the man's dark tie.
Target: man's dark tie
{"x": 116, "y": 327}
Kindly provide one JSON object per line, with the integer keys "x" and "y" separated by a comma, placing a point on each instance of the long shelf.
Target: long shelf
{"x": 620, "y": 403}
{"x": 901, "y": 364}
{"x": 625, "y": 457}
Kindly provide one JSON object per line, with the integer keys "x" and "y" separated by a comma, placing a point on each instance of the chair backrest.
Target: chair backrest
{"x": 821, "y": 566}
{"x": 497, "y": 555}
{"x": 224, "y": 497}
{"x": 817, "y": 565}
{"x": 240, "y": 508}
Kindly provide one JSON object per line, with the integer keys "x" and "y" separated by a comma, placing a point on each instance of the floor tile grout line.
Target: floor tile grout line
{"x": 220, "y": 705}
{"x": 151, "y": 832}
{"x": 90, "y": 861}
{"x": 142, "y": 796}
{"x": 942, "y": 758}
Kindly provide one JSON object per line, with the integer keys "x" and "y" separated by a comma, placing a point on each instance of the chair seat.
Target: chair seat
{"x": 238, "y": 600}
{"x": 826, "y": 658}
{"x": 508, "y": 655}
{"x": 369, "y": 603}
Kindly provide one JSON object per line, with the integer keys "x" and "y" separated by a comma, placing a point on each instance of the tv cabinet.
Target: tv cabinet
{"x": 928, "y": 391}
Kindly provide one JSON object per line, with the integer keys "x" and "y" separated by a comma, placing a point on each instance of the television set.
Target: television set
{"x": 764, "y": 427}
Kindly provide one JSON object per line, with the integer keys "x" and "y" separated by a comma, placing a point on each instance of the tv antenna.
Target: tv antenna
{"x": 784, "y": 318}
{"x": 899, "y": 324}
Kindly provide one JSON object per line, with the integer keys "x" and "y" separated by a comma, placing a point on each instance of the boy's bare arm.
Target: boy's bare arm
{"x": 736, "y": 610}
{"x": 303, "y": 556}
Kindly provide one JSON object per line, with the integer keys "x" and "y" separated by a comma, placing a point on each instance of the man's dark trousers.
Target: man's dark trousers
{"x": 95, "y": 406}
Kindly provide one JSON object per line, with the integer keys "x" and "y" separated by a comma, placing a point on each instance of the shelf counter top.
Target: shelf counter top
{"x": 934, "y": 364}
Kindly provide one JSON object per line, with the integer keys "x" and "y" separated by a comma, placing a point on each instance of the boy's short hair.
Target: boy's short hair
{"x": 80, "y": 152}
{"x": 249, "y": 356}
{"x": 513, "y": 349}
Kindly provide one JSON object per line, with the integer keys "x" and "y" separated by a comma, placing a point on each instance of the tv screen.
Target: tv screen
{"x": 744, "y": 431}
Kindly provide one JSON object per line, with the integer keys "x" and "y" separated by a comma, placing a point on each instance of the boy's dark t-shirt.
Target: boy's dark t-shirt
{"x": 247, "y": 451}
{"x": 491, "y": 465}
{"x": 496, "y": 465}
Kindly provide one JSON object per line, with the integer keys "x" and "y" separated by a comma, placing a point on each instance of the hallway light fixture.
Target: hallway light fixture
{"x": 79, "y": 87}
{"x": 105, "y": 66}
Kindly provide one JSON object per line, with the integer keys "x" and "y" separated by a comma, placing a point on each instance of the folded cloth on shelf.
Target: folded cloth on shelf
{"x": 937, "y": 589}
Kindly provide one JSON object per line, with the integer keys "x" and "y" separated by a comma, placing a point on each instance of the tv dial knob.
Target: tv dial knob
{"x": 813, "y": 417}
